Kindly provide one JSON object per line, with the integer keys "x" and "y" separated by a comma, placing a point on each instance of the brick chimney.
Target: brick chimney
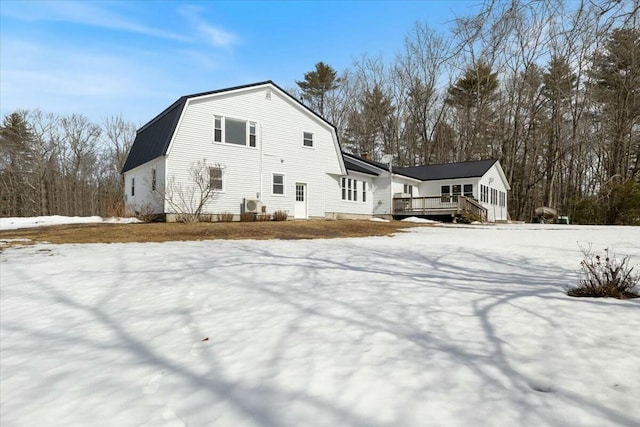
{"x": 365, "y": 155}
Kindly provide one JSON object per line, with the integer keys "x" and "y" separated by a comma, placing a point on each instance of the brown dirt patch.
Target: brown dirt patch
{"x": 163, "y": 232}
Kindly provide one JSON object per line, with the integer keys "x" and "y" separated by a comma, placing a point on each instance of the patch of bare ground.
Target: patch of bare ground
{"x": 164, "y": 232}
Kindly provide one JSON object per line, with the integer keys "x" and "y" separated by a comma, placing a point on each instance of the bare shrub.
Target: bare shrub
{"x": 146, "y": 213}
{"x": 188, "y": 199}
{"x": 263, "y": 217}
{"x": 605, "y": 276}
{"x": 247, "y": 217}
{"x": 280, "y": 216}
{"x": 225, "y": 217}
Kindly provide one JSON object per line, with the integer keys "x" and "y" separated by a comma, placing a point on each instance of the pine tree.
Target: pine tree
{"x": 317, "y": 84}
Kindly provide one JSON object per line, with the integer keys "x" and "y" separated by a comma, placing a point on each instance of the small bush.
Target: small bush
{"x": 280, "y": 216}
{"x": 225, "y": 217}
{"x": 468, "y": 218}
{"x": 247, "y": 217}
{"x": 605, "y": 277}
{"x": 263, "y": 217}
{"x": 146, "y": 214}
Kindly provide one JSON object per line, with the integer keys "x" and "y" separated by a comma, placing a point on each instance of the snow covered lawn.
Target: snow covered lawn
{"x": 15, "y": 223}
{"x": 441, "y": 326}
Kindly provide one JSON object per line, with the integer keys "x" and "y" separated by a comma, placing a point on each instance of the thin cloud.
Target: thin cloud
{"x": 84, "y": 13}
{"x": 211, "y": 34}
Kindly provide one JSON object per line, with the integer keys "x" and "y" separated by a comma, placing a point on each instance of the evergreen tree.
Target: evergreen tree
{"x": 317, "y": 84}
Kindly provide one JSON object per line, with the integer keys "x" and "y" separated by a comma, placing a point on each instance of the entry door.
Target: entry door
{"x": 301, "y": 201}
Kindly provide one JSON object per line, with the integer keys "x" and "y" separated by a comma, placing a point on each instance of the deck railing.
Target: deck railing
{"x": 438, "y": 205}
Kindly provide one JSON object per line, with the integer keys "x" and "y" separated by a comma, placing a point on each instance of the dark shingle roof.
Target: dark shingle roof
{"x": 152, "y": 139}
{"x": 471, "y": 169}
{"x": 352, "y": 165}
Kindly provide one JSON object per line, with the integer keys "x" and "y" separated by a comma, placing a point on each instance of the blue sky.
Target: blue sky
{"x": 105, "y": 58}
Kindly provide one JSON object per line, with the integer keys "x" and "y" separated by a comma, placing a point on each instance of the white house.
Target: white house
{"x": 261, "y": 150}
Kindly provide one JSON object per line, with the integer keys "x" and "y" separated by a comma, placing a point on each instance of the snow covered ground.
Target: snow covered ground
{"x": 42, "y": 221}
{"x": 438, "y": 326}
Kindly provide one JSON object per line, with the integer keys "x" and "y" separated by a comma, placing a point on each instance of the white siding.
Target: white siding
{"x": 432, "y": 188}
{"x": 279, "y": 149}
{"x": 145, "y": 200}
{"x": 337, "y": 206}
{"x": 493, "y": 179}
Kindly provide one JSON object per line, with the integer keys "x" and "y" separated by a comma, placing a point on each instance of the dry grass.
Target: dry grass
{"x": 164, "y": 232}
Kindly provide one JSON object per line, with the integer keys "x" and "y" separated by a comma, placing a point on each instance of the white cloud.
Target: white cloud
{"x": 84, "y": 13}
{"x": 211, "y": 34}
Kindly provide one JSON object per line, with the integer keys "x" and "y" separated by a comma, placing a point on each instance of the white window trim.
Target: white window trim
{"x": 224, "y": 186}
{"x": 223, "y": 131}
{"x": 284, "y": 184}
{"x": 313, "y": 139}
{"x": 354, "y": 190}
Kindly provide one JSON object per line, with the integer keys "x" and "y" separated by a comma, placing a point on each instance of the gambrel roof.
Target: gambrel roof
{"x": 153, "y": 139}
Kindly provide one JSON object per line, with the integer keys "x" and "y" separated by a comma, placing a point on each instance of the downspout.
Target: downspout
{"x": 260, "y": 178}
{"x": 391, "y": 189}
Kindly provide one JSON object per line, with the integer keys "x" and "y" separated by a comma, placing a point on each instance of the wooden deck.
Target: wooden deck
{"x": 438, "y": 205}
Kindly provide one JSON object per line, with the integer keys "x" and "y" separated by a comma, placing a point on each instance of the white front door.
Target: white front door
{"x": 301, "y": 201}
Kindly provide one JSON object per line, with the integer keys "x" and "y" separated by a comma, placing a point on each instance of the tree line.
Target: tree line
{"x": 62, "y": 165}
{"x": 551, "y": 89}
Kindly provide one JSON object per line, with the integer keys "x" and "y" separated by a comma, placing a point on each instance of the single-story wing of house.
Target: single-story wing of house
{"x": 255, "y": 148}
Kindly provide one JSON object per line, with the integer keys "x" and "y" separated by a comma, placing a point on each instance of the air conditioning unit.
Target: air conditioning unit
{"x": 252, "y": 205}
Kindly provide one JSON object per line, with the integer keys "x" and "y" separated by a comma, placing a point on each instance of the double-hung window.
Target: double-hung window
{"x": 234, "y": 131}
{"x": 364, "y": 191}
{"x": 307, "y": 139}
{"x": 133, "y": 187}
{"x": 350, "y": 189}
{"x": 153, "y": 179}
{"x": 278, "y": 184}
{"x": 408, "y": 189}
{"x": 215, "y": 178}
{"x": 468, "y": 190}
{"x": 445, "y": 192}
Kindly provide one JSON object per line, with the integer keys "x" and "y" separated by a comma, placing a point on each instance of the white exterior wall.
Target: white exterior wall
{"x": 493, "y": 179}
{"x": 381, "y": 195}
{"x": 279, "y": 149}
{"x": 145, "y": 200}
{"x": 432, "y": 188}
{"x": 336, "y": 206}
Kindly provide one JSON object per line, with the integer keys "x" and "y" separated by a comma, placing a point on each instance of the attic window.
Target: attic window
{"x": 307, "y": 139}
{"x": 234, "y": 131}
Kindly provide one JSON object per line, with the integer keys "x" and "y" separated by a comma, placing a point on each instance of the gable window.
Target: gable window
{"x": 408, "y": 189}
{"x": 468, "y": 190}
{"x": 278, "y": 184}
{"x": 307, "y": 139}
{"x": 153, "y": 179}
{"x": 252, "y": 134}
{"x": 215, "y": 178}
{"x": 234, "y": 131}
{"x": 217, "y": 129}
{"x": 133, "y": 187}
